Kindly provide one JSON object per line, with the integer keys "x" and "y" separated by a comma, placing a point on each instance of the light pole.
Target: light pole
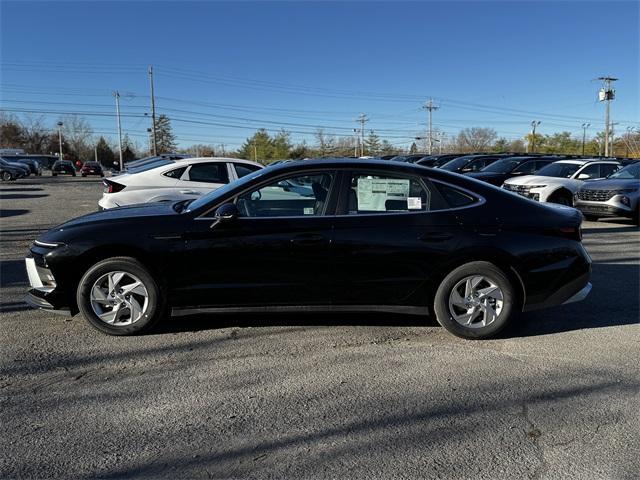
{"x": 60, "y": 138}
{"x": 584, "y": 135}
{"x": 117, "y": 95}
{"x": 534, "y": 124}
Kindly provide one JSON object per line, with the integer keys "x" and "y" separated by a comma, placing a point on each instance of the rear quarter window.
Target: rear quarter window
{"x": 455, "y": 198}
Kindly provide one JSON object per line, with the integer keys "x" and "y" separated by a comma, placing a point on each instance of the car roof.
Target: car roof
{"x": 584, "y": 161}
{"x": 181, "y": 161}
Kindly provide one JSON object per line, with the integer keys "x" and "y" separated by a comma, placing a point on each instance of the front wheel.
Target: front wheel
{"x": 118, "y": 296}
{"x": 475, "y": 301}
{"x": 6, "y": 176}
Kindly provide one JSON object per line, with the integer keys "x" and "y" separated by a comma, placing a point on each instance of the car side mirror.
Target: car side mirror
{"x": 225, "y": 213}
{"x": 583, "y": 176}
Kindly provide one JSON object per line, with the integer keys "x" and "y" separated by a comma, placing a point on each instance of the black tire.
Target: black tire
{"x": 489, "y": 271}
{"x": 6, "y": 176}
{"x": 591, "y": 218}
{"x": 83, "y": 174}
{"x": 637, "y": 215}
{"x": 54, "y": 174}
{"x": 156, "y": 307}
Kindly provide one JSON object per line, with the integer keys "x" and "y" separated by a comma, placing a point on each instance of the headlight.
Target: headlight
{"x": 531, "y": 187}
{"x": 627, "y": 190}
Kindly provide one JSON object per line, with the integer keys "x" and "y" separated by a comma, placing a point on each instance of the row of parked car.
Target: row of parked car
{"x": 599, "y": 187}
{"x": 19, "y": 166}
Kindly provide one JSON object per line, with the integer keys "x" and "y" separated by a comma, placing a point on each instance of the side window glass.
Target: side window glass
{"x": 209, "y": 173}
{"x": 526, "y": 167}
{"x": 297, "y": 196}
{"x": 454, "y": 197}
{"x": 175, "y": 173}
{"x": 591, "y": 171}
{"x": 376, "y": 193}
{"x": 243, "y": 169}
{"x": 608, "y": 169}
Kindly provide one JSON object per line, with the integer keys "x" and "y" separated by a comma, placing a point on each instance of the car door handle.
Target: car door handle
{"x": 307, "y": 239}
{"x": 435, "y": 237}
{"x": 189, "y": 192}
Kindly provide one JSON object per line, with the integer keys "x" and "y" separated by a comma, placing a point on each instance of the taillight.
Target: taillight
{"x": 112, "y": 187}
{"x": 574, "y": 233}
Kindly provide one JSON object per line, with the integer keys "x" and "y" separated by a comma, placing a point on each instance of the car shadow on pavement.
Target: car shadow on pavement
{"x": 613, "y": 301}
{"x": 21, "y": 196}
{"x": 4, "y": 213}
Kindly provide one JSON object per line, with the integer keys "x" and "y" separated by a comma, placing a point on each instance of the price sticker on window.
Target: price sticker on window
{"x": 414, "y": 203}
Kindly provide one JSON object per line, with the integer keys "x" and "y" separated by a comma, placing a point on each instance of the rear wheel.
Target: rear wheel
{"x": 6, "y": 176}
{"x": 119, "y": 296}
{"x": 475, "y": 301}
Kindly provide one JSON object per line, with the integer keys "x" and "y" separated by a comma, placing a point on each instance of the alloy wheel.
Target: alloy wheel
{"x": 475, "y": 301}
{"x": 119, "y": 298}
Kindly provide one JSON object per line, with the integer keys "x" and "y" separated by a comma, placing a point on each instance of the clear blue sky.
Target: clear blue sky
{"x": 235, "y": 67}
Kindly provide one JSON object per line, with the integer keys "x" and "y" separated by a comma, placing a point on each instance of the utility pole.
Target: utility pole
{"x": 430, "y": 107}
{"x": 362, "y": 119}
{"x": 223, "y": 152}
{"x": 117, "y": 95}
{"x": 95, "y": 152}
{"x": 606, "y": 95}
{"x": 534, "y": 124}
{"x": 356, "y": 142}
{"x": 584, "y": 135}
{"x": 153, "y": 112}
{"x": 60, "y": 139}
{"x": 611, "y": 137}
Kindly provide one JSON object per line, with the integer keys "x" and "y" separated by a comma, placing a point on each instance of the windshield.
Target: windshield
{"x": 502, "y": 166}
{"x": 161, "y": 162}
{"x": 220, "y": 192}
{"x": 629, "y": 172}
{"x": 456, "y": 164}
{"x": 559, "y": 170}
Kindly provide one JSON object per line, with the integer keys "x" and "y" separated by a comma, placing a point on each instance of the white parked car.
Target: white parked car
{"x": 559, "y": 181}
{"x": 173, "y": 180}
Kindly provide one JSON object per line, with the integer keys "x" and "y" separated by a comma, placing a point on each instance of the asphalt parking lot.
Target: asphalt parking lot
{"x": 317, "y": 396}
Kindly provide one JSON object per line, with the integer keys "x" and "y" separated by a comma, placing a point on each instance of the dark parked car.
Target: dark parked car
{"x": 63, "y": 167}
{"x": 34, "y": 165}
{"x": 503, "y": 169}
{"x": 471, "y": 163}
{"x": 15, "y": 169}
{"x": 8, "y": 173}
{"x": 372, "y": 236}
{"x": 408, "y": 158}
{"x": 436, "y": 161}
{"x": 615, "y": 196}
{"x": 91, "y": 168}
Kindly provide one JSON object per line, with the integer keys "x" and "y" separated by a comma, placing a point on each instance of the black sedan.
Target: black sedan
{"x": 471, "y": 163}
{"x": 63, "y": 167}
{"x": 505, "y": 168}
{"x": 363, "y": 235}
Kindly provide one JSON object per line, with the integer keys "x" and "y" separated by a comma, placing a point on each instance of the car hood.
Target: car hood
{"x": 540, "y": 180}
{"x": 611, "y": 184}
{"x": 129, "y": 213}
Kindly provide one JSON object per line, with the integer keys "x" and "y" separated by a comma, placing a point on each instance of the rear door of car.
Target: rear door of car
{"x": 390, "y": 235}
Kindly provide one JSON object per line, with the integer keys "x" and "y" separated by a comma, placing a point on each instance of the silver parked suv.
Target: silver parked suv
{"x": 615, "y": 196}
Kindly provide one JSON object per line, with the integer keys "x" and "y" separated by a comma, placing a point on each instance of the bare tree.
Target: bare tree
{"x": 326, "y": 143}
{"x": 78, "y": 134}
{"x": 475, "y": 139}
{"x": 36, "y": 135}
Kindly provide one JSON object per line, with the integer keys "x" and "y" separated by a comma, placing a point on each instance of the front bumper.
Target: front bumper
{"x": 44, "y": 293}
{"x": 581, "y": 295}
{"x": 611, "y": 208}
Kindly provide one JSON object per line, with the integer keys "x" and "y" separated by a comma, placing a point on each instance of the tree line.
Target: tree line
{"x": 80, "y": 143}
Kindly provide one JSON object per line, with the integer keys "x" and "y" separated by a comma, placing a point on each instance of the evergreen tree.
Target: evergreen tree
{"x": 387, "y": 148}
{"x": 413, "y": 149}
{"x": 259, "y": 147}
{"x": 501, "y": 145}
{"x": 165, "y": 139}
{"x": 372, "y": 144}
{"x": 281, "y": 146}
{"x": 128, "y": 152}
{"x": 105, "y": 155}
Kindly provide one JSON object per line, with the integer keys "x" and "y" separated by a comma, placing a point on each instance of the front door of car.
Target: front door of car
{"x": 389, "y": 239}
{"x": 200, "y": 178}
{"x": 276, "y": 252}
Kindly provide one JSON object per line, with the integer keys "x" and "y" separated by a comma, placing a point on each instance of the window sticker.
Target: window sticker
{"x": 373, "y": 193}
{"x": 414, "y": 203}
